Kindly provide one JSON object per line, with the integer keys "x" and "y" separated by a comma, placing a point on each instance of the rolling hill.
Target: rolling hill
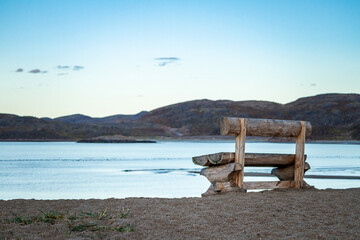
{"x": 333, "y": 117}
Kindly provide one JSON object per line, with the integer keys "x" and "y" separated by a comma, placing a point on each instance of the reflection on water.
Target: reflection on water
{"x": 71, "y": 170}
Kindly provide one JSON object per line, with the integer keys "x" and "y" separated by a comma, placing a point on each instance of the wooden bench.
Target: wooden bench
{"x": 225, "y": 170}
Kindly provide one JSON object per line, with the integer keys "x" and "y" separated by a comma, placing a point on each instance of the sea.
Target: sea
{"x": 69, "y": 170}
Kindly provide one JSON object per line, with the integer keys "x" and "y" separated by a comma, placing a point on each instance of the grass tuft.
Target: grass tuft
{"x": 125, "y": 228}
{"x": 50, "y": 216}
{"x": 82, "y": 227}
{"x": 21, "y": 220}
{"x": 124, "y": 213}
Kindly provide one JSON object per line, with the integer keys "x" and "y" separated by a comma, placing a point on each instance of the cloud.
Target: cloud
{"x": 19, "y": 70}
{"x": 37, "y": 71}
{"x": 63, "y": 67}
{"x": 77, "y": 68}
{"x": 167, "y": 59}
{"x": 68, "y": 67}
{"x": 313, "y": 84}
{"x": 163, "y": 61}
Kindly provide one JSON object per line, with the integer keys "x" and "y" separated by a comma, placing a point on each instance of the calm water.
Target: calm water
{"x": 79, "y": 170}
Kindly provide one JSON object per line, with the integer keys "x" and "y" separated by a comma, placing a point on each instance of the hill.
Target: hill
{"x": 30, "y": 128}
{"x": 79, "y": 118}
{"x": 333, "y": 117}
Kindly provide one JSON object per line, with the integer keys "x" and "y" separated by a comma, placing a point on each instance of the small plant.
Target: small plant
{"x": 124, "y": 213}
{"x": 50, "y": 216}
{"x": 125, "y": 228}
{"x": 21, "y": 220}
{"x": 95, "y": 215}
{"x": 82, "y": 227}
{"x": 102, "y": 214}
{"x": 72, "y": 217}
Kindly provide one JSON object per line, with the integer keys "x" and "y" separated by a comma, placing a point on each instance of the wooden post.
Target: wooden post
{"x": 240, "y": 152}
{"x": 299, "y": 157}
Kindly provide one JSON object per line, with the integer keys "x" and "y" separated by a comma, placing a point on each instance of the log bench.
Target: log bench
{"x": 225, "y": 170}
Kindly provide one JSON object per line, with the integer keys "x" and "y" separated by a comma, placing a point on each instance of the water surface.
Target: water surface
{"x": 54, "y": 170}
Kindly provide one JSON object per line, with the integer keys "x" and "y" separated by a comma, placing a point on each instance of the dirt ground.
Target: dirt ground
{"x": 278, "y": 214}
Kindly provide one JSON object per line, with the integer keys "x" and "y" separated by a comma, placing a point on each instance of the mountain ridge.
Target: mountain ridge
{"x": 333, "y": 116}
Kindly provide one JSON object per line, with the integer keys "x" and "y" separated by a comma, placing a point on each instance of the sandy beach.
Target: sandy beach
{"x": 277, "y": 214}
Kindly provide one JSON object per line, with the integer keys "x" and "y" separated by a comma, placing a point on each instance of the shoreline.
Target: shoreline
{"x": 195, "y": 138}
{"x": 276, "y": 214}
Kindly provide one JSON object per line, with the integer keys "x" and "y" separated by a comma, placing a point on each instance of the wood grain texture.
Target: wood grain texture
{"x": 230, "y": 186}
{"x": 268, "y": 185}
{"x": 299, "y": 157}
{"x": 263, "y": 127}
{"x": 240, "y": 152}
{"x": 222, "y": 173}
{"x": 214, "y": 159}
{"x": 287, "y": 173}
{"x": 251, "y": 159}
{"x": 222, "y": 187}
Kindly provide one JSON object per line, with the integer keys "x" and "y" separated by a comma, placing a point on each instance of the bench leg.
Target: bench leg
{"x": 299, "y": 157}
{"x": 240, "y": 152}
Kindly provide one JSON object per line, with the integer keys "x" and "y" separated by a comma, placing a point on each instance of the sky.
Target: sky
{"x": 108, "y": 57}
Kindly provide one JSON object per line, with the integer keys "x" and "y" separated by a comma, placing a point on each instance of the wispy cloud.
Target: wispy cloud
{"x": 167, "y": 58}
{"x": 37, "y": 71}
{"x": 77, "y": 68}
{"x": 62, "y": 67}
{"x": 313, "y": 84}
{"x": 68, "y": 68}
{"x": 163, "y": 61}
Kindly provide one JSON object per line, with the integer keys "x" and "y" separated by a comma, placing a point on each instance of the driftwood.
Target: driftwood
{"x": 226, "y": 170}
{"x": 214, "y": 159}
{"x": 268, "y": 184}
{"x": 287, "y": 173}
{"x": 251, "y": 159}
{"x": 230, "y": 186}
{"x": 263, "y": 127}
{"x": 222, "y": 187}
{"x": 222, "y": 173}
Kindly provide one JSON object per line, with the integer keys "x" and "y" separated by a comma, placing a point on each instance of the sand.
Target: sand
{"x": 277, "y": 214}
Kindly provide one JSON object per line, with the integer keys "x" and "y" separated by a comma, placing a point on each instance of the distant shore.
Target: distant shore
{"x": 195, "y": 138}
{"x": 277, "y": 214}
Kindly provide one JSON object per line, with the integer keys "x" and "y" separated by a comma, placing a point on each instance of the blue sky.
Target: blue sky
{"x": 101, "y": 58}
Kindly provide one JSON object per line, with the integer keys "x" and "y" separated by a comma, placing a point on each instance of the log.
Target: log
{"x": 222, "y": 187}
{"x": 269, "y": 159}
{"x": 267, "y": 185}
{"x": 214, "y": 159}
{"x": 299, "y": 157}
{"x": 222, "y": 173}
{"x": 251, "y": 159}
{"x": 263, "y": 127}
{"x": 287, "y": 173}
{"x": 230, "y": 186}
